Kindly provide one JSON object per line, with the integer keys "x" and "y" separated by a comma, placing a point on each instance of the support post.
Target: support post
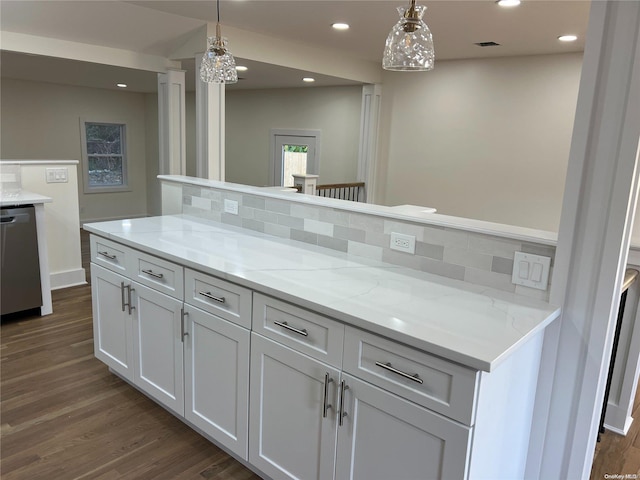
{"x": 367, "y": 152}
{"x": 171, "y": 123}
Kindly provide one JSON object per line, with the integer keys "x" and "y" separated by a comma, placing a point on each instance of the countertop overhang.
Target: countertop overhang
{"x": 468, "y": 324}
{"x": 23, "y": 197}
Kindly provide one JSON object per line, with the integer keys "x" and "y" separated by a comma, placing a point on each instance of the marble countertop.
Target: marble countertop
{"x": 469, "y": 324}
{"x": 23, "y": 197}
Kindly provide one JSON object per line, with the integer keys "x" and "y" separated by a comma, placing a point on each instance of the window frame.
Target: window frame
{"x": 87, "y": 187}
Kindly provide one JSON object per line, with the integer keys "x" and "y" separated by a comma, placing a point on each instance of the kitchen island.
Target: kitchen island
{"x": 270, "y": 346}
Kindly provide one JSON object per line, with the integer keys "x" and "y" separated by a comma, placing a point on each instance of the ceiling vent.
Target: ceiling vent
{"x": 487, "y": 44}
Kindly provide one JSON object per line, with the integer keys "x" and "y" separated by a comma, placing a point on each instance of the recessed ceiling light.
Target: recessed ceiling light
{"x": 341, "y": 26}
{"x": 308, "y": 79}
{"x": 567, "y": 38}
{"x": 508, "y": 3}
{"x": 121, "y": 85}
{"x": 241, "y": 68}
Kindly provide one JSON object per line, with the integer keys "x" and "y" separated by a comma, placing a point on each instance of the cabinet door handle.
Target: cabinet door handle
{"x": 153, "y": 274}
{"x": 130, "y": 304}
{"x": 122, "y": 295}
{"x": 212, "y": 297}
{"x": 107, "y": 255}
{"x": 341, "y": 412}
{"x": 299, "y": 331}
{"x": 326, "y": 406}
{"x": 183, "y": 332}
{"x": 387, "y": 366}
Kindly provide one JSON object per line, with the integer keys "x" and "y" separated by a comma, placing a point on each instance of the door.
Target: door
{"x": 157, "y": 346}
{"x": 112, "y": 325}
{"x": 384, "y": 436}
{"x": 294, "y": 151}
{"x": 292, "y": 428}
{"x": 217, "y": 378}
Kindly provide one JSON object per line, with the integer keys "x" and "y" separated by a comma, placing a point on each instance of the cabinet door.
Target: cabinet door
{"x": 217, "y": 378}
{"x": 384, "y": 436}
{"x": 112, "y": 327}
{"x": 289, "y": 435}
{"x": 157, "y": 346}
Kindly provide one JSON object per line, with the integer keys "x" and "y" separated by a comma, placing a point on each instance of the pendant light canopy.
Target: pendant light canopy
{"x": 218, "y": 64}
{"x": 409, "y": 46}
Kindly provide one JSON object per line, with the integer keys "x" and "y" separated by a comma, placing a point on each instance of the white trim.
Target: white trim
{"x": 595, "y": 230}
{"x": 86, "y": 187}
{"x": 40, "y": 162}
{"x": 68, "y": 278}
{"x": 289, "y": 132}
{"x": 172, "y": 151}
{"x": 43, "y": 254}
{"x": 369, "y": 134}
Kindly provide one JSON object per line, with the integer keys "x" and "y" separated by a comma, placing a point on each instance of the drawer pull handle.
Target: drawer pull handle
{"x": 299, "y": 331}
{"x": 212, "y": 297}
{"x": 387, "y": 366}
{"x": 107, "y": 255}
{"x": 153, "y": 274}
{"x": 183, "y": 332}
{"x": 326, "y": 406}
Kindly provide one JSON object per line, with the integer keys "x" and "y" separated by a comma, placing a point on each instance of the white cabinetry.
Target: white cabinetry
{"x": 293, "y": 414}
{"x": 217, "y": 360}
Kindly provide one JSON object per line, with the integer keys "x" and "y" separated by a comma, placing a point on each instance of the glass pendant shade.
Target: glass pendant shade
{"x": 409, "y": 46}
{"x": 218, "y": 64}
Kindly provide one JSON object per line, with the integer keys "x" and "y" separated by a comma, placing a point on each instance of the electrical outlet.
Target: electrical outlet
{"x": 230, "y": 206}
{"x": 403, "y": 243}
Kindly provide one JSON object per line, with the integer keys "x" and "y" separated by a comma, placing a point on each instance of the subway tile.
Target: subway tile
{"x": 247, "y": 212}
{"x": 465, "y": 258}
{"x": 337, "y": 217}
{"x": 302, "y": 236}
{"x": 305, "y": 211}
{"x": 406, "y": 228}
{"x": 230, "y": 219}
{"x": 233, "y": 196}
{"x": 363, "y": 250}
{"x": 502, "y": 265}
{"x": 212, "y": 194}
{"x": 186, "y": 200}
{"x": 428, "y": 250}
{"x": 321, "y": 228}
{"x": 277, "y": 230}
{"x": 253, "y": 202}
{"x": 346, "y": 233}
{"x": 446, "y": 237}
{"x": 489, "y": 279}
{"x": 279, "y": 206}
{"x": 377, "y": 239}
{"x": 401, "y": 258}
{"x": 293, "y": 222}
{"x": 491, "y": 245}
{"x": 265, "y": 216}
{"x": 191, "y": 191}
{"x": 443, "y": 269}
{"x": 537, "y": 249}
{"x": 368, "y": 223}
{"x": 202, "y": 203}
{"x": 252, "y": 224}
{"x": 332, "y": 243}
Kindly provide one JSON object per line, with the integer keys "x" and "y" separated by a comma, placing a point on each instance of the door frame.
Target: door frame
{"x": 288, "y": 132}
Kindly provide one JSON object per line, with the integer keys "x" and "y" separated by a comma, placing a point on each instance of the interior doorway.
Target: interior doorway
{"x": 293, "y": 152}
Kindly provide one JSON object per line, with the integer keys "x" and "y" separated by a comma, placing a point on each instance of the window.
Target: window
{"x": 104, "y": 157}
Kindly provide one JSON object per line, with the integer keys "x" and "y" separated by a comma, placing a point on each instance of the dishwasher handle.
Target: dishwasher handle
{"x": 15, "y": 218}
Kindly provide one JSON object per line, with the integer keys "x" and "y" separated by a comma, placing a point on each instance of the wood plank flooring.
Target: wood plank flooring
{"x": 64, "y": 416}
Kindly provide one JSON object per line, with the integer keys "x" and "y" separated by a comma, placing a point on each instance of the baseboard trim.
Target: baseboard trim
{"x": 625, "y": 429}
{"x": 68, "y": 278}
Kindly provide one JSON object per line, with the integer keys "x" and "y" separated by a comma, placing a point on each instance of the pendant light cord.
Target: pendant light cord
{"x": 218, "y": 9}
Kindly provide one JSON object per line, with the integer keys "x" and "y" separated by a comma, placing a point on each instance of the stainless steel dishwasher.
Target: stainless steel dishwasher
{"x": 20, "y": 274}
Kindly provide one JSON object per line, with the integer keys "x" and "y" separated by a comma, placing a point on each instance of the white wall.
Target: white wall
{"x": 251, "y": 114}
{"x": 62, "y": 223}
{"x": 42, "y": 121}
{"x": 486, "y": 139}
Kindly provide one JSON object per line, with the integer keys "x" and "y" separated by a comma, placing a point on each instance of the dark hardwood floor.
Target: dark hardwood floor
{"x": 64, "y": 416}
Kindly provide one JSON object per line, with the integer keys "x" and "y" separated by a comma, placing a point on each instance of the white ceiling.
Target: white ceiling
{"x": 159, "y": 27}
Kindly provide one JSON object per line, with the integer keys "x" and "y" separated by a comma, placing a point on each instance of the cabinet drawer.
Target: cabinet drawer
{"x": 227, "y": 300}
{"x": 310, "y": 333}
{"x": 430, "y": 381}
{"x": 111, "y": 255}
{"x": 158, "y": 274}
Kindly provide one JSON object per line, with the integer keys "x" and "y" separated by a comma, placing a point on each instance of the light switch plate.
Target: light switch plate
{"x": 57, "y": 175}
{"x": 531, "y": 270}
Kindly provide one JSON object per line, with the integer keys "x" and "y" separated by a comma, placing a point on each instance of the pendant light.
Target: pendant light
{"x": 218, "y": 65}
{"x": 409, "y": 46}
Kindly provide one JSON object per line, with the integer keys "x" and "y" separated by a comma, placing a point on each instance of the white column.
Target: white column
{"x": 171, "y": 123}
{"x": 306, "y": 182}
{"x": 595, "y": 227}
{"x": 367, "y": 155}
{"x": 210, "y": 118}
